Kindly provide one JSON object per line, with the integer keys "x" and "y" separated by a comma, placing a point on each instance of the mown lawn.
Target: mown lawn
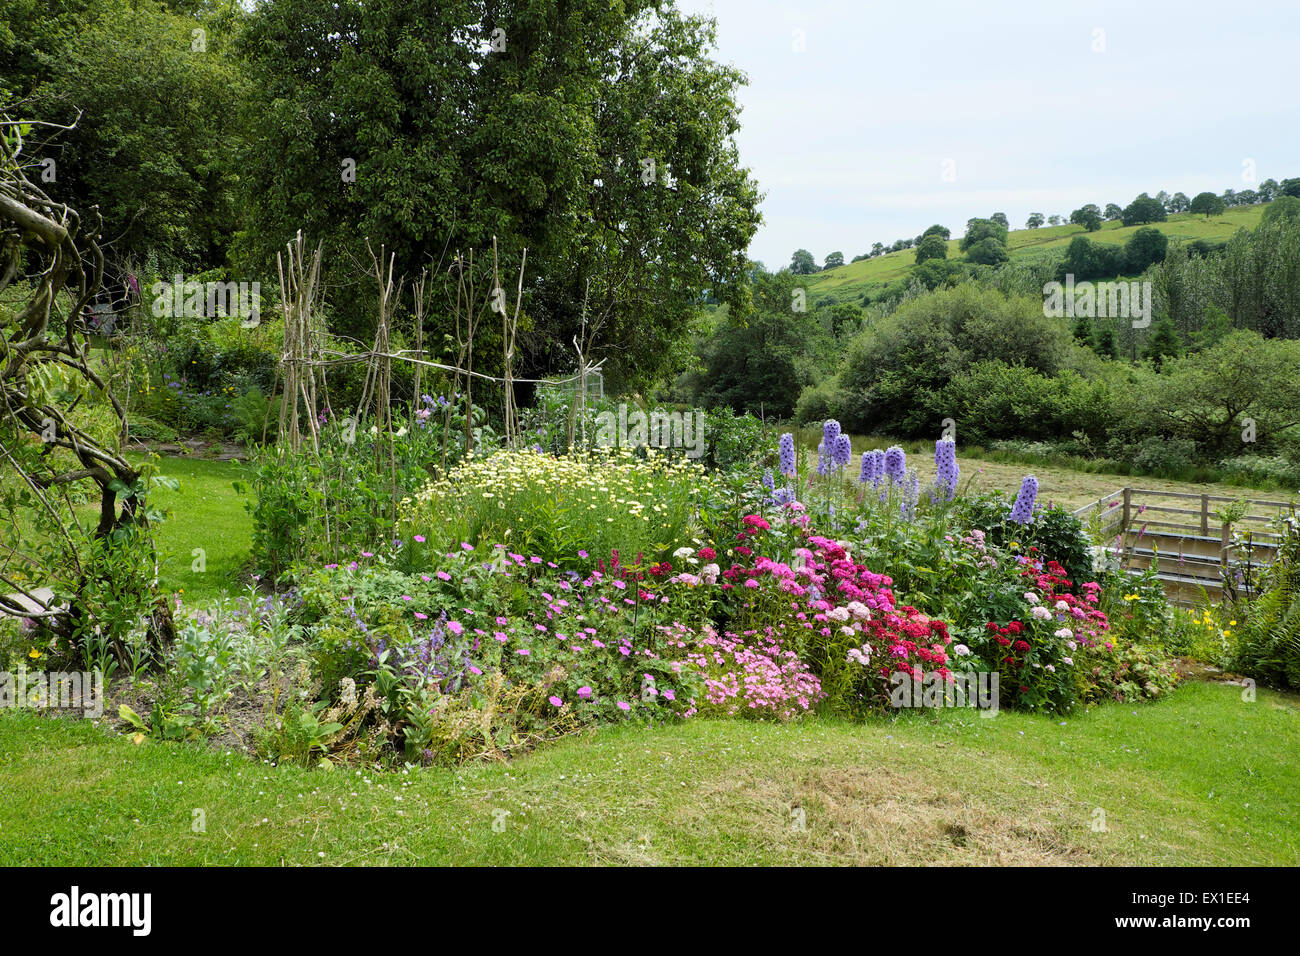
{"x": 1199, "y": 778}
{"x": 205, "y": 513}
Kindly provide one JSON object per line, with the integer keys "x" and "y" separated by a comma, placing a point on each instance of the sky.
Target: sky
{"x": 869, "y": 121}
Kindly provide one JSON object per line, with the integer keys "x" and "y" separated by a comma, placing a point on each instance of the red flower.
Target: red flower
{"x": 708, "y": 554}
{"x": 1021, "y": 646}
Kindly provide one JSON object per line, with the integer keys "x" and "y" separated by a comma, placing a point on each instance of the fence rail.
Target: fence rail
{"x": 1195, "y": 550}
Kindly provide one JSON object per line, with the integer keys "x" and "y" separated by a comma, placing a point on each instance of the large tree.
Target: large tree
{"x": 597, "y": 135}
{"x": 1144, "y": 209}
{"x": 1207, "y": 204}
{"x": 153, "y": 93}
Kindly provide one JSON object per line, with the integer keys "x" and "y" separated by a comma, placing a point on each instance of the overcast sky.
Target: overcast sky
{"x": 896, "y": 115}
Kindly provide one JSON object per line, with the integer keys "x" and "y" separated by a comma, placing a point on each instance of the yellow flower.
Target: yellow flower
{"x": 1130, "y": 597}
{"x": 1232, "y": 623}
{"x": 34, "y": 654}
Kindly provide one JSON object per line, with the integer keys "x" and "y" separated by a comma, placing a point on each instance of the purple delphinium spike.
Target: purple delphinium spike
{"x": 786, "y": 446}
{"x": 895, "y": 463}
{"x": 946, "y": 469}
{"x": 841, "y": 450}
{"x": 1022, "y": 512}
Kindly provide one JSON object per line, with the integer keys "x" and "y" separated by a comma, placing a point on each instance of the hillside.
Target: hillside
{"x": 895, "y": 265}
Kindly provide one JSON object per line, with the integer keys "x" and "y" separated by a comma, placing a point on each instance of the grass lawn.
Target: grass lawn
{"x": 207, "y": 514}
{"x": 1199, "y": 778}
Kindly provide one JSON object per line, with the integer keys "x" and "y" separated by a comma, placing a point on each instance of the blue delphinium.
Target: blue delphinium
{"x": 946, "y": 469}
{"x": 830, "y": 432}
{"x": 842, "y": 450}
{"x": 895, "y": 463}
{"x": 873, "y": 467}
{"x": 823, "y": 460}
{"x": 1022, "y": 512}
{"x": 911, "y": 494}
{"x": 786, "y": 445}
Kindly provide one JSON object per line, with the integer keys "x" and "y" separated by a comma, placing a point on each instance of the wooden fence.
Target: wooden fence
{"x": 1201, "y": 545}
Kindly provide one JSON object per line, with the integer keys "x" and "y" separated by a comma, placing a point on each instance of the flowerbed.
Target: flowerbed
{"x": 528, "y": 597}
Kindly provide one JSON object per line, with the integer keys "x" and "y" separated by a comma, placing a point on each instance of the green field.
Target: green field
{"x": 1200, "y": 778}
{"x": 894, "y": 265}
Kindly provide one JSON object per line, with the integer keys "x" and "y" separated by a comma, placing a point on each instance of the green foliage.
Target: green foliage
{"x": 895, "y": 372}
{"x": 1207, "y": 204}
{"x": 564, "y": 167}
{"x": 1142, "y": 210}
{"x": 987, "y": 252}
{"x": 977, "y": 230}
{"x": 802, "y": 262}
{"x": 1145, "y": 248}
{"x": 1164, "y": 343}
{"x": 933, "y": 246}
{"x": 1088, "y": 216}
{"x": 157, "y": 120}
{"x": 1268, "y": 644}
{"x": 1206, "y": 396}
{"x": 1055, "y": 532}
{"x": 1286, "y": 207}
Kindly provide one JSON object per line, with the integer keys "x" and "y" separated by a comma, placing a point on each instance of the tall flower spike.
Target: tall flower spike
{"x": 895, "y": 463}
{"x": 842, "y": 450}
{"x": 1022, "y": 512}
{"x": 946, "y": 469}
{"x": 786, "y": 446}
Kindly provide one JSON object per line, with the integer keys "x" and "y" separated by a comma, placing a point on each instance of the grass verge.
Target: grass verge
{"x": 1199, "y": 778}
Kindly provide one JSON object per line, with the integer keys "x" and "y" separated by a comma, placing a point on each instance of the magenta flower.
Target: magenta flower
{"x": 624, "y": 705}
{"x": 555, "y": 701}
{"x": 584, "y": 692}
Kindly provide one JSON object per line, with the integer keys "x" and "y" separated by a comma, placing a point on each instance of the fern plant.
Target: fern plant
{"x": 1269, "y": 645}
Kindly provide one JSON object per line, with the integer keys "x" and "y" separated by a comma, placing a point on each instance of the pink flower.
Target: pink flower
{"x": 624, "y": 705}
{"x": 420, "y": 538}
{"x": 421, "y": 617}
{"x": 455, "y": 628}
{"x": 523, "y": 650}
{"x": 555, "y": 701}
{"x": 584, "y": 692}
